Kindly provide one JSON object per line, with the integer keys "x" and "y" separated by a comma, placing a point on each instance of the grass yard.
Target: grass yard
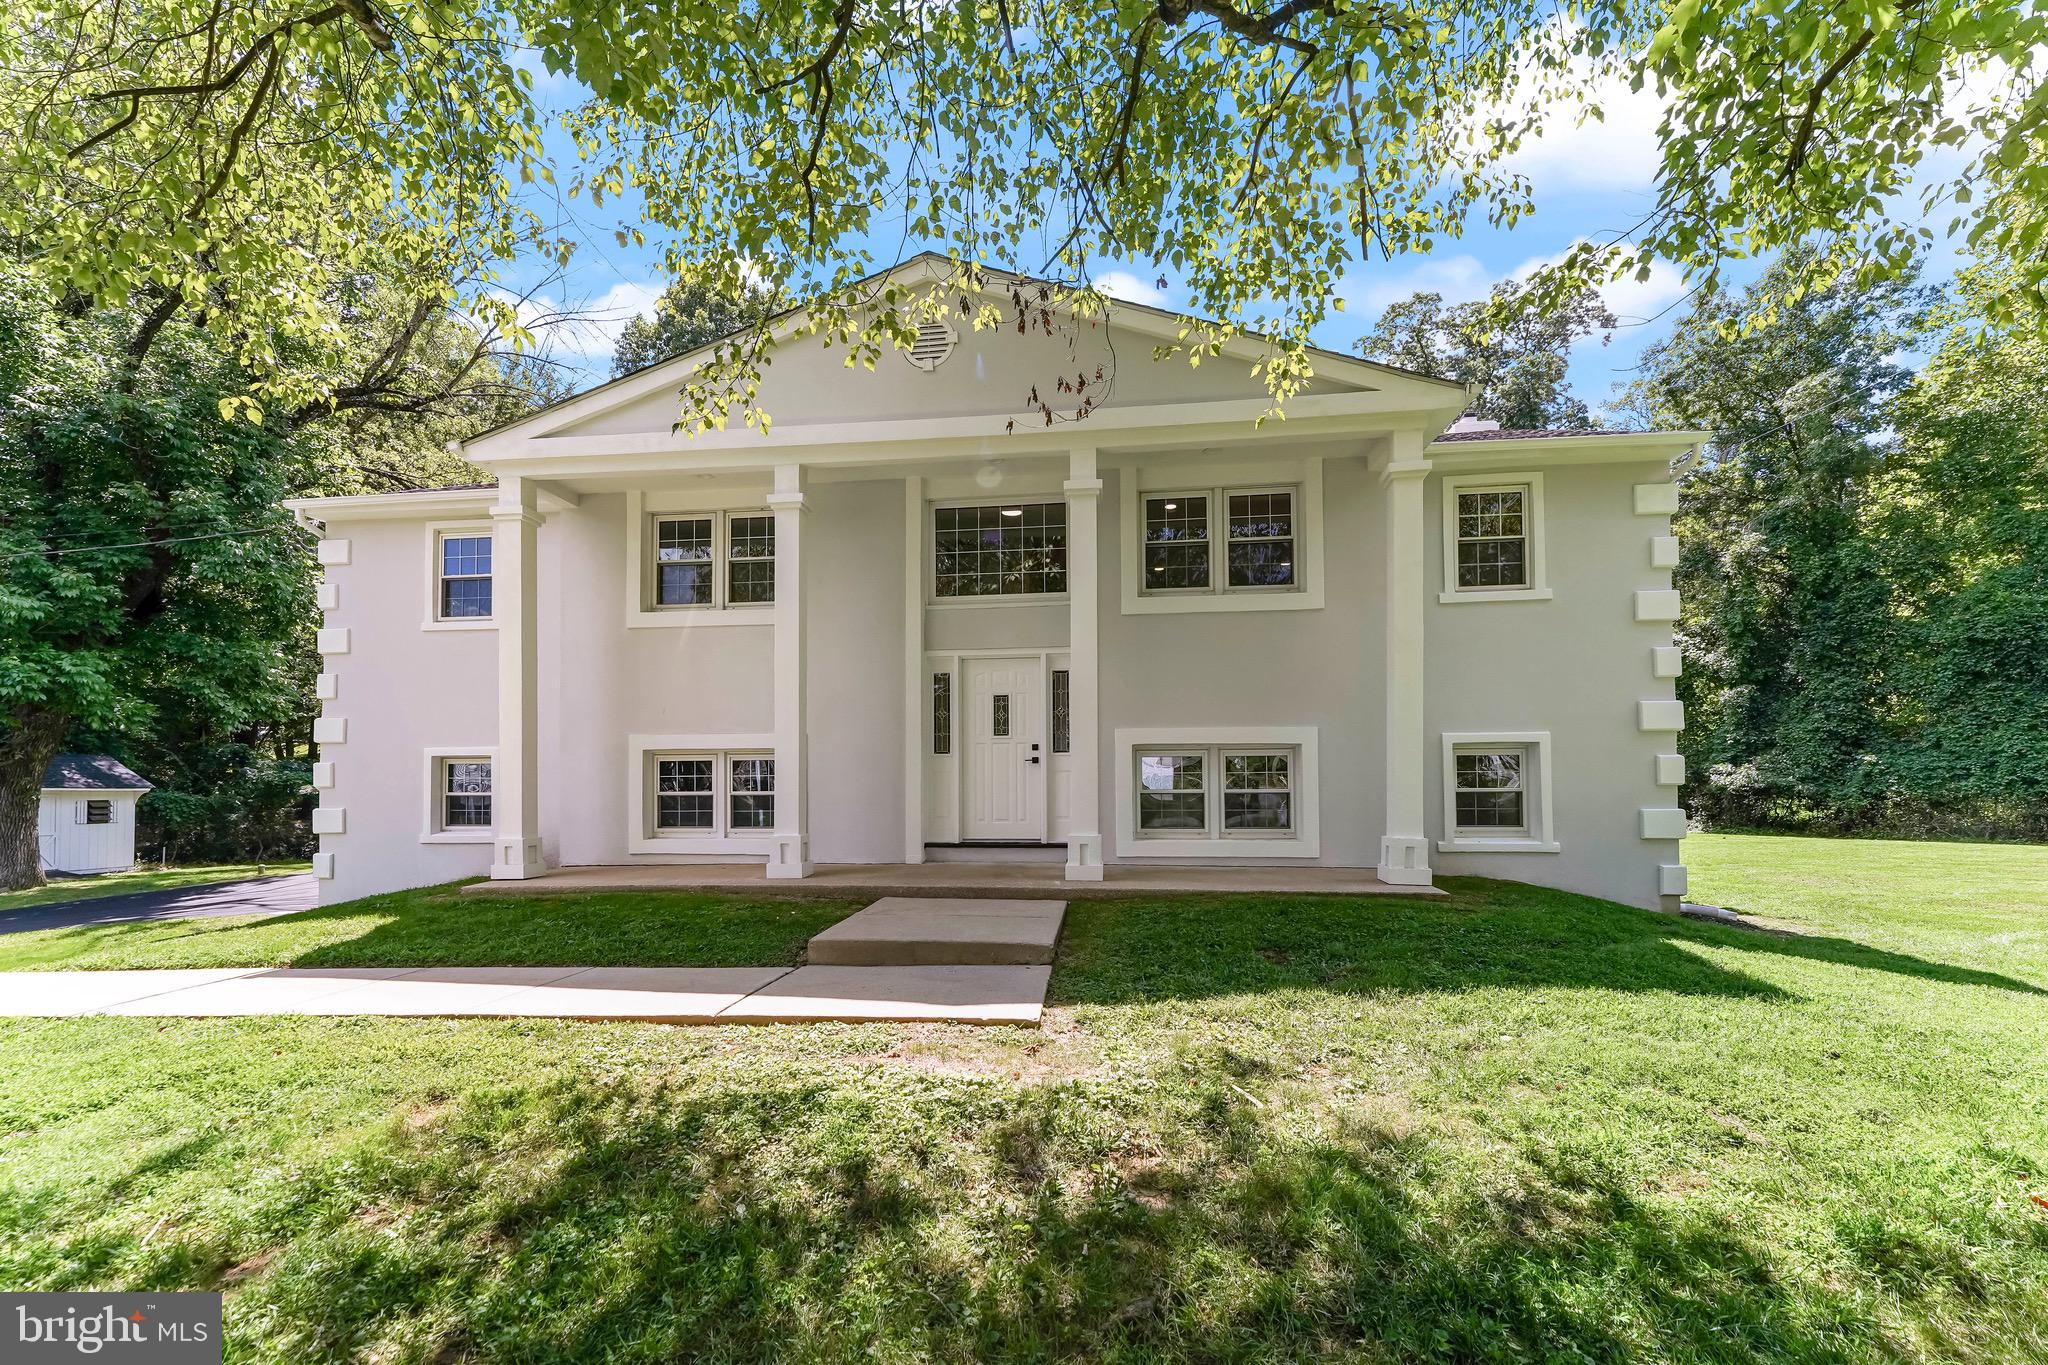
{"x": 141, "y": 879}
{"x": 1516, "y": 1125}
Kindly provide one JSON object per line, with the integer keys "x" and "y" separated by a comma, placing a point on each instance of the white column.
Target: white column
{"x": 916, "y": 677}
{"x": 792, "y": 857}
{"x": 1404, "y": 846}
{"x": 515, "y": 784}
{"x": 1084, "y": 601}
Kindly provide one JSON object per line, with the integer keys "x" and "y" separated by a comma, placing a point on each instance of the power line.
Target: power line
{"x": 145, "y": 544}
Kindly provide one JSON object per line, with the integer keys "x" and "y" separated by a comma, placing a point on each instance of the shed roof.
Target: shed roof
{"x": 90, "y": 773}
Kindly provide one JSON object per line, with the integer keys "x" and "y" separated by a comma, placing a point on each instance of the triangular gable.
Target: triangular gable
{"x": 986, "y": 373}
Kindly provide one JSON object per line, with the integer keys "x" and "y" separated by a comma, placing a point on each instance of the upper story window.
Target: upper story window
{"x": 1256, "y": 534}
{"x": 711, "y": 559}
{"x": 1493, "y": 538}
{"x": 464, "y": 571}
{"x": 999, "y": 550}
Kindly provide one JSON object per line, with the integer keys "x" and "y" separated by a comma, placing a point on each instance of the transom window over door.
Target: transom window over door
{"x": 1257, "y": 532}
{"x": 999, "y": 550}
{"x": 711, "y": 559}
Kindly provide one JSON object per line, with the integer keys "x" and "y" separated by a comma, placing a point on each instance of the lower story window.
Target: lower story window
{"x": 465, "y": 794}
{"x": 713, "y": 794}
{"x": 1180, "y": 796}
{"x": 1489, "y": 796}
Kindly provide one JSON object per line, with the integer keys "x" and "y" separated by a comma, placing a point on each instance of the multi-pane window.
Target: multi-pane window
{"x": 1217, "y": 791}
{"x": 1258, "y": 791}
{"x": 1257, "y": 533}
{"x": 753, "y": 793}
{"x": 1261, "y": 539}
{"x": 711, "y": 794}
{"x": 98, "y": 812}
{"x": 465, "y": 794}
{"x": 1489, "y": 793}
{"x": 750, "y": 559}
{"x": 1177, "y": 542}
{"x": 1062, "y": 712}
{"x": 1004, "y": 550}
{"x": 683, "y": 796}
{"x": 1492, "y": 538}
{"x": 1173, "y": 793}
{"x": 712, "y": 559}
{"x": 465, "y": 573}
{"x": 942, "y": 713}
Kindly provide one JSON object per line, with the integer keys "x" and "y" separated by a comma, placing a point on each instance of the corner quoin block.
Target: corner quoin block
{"x": 1663, "y": 552}
{"x": 330, "y": 820}
{"x": 1662, "y": 822}
{"x": 1671, "y": 879}
{"x": 1658, "y": 716}
{"x": 1670, "y": 770}
{"x": 1666, "y": 661}
{"x": 1656, "y": 604}
{"x": 331, "y": 640}
{"x": 1656, "y": 499}
{"x": 330, "y": 730}
{"x": 333, "y": 552}
{"x": 323, "y": 866}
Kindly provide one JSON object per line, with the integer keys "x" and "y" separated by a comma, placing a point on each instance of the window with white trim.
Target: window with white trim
{"x": 1497, "y": 792}
{"x": 1207, "y": 792}
{"x": 710, "y": 559}
{"x": 1257, "y": 532}
{"x": 462, "y": 561}
{"x": 1493, "y": 538}
{"x": 1016, "y": 549}
{"x": 1489, "y": 797}
{"x": 712, "y": 794}
{"x": 462, "y": 794}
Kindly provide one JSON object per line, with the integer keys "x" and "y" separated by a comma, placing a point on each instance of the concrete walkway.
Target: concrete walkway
{"x": 674, "y": 995}
{"x": 282, "y": 895}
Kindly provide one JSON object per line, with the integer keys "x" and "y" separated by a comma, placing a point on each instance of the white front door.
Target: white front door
{"x": 1002, "y": 783}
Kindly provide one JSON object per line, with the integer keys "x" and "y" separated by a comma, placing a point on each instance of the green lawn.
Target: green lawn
{"x": 1515, "y": 1125}
{"x": 141, "y": 879}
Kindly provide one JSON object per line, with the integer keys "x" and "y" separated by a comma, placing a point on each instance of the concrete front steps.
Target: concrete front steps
{"x": 931, "y": 931}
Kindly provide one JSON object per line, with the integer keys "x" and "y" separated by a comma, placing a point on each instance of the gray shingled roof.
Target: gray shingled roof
{"x": 91, "y": 773}
{"x": 1486, "y": 434}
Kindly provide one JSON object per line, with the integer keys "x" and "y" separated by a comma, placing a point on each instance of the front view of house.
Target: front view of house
{"x": 919, "y": 619}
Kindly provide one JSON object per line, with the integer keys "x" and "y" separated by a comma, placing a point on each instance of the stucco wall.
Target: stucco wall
{"x": 1574, "y": 666}
{"x": 401, "y": 690}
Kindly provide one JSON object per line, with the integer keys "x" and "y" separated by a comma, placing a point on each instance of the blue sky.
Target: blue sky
{"x": 1591, "y": 180}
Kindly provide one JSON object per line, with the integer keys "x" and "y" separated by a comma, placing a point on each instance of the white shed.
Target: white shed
{"x": 86, "y": 822}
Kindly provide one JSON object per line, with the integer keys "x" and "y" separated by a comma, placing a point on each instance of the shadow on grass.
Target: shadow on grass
{"x": 1489, "y": 934}
{"x": 603, "y": 1221}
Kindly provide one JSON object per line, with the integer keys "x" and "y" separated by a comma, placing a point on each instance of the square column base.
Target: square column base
{"x": 1404, "y": 860}
{"x": 516, "y": 860}
{"x": 1084, "y": 858}
{"x": 792, "y": 857}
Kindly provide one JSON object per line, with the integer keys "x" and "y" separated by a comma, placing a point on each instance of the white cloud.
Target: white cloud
{"x": 1122, "y": 284}
{"x": 1460, "y": 279}
{"x": 585, "y": 327}
{"x": 1632, "y": 301}
{"x": 1604, "y": 138}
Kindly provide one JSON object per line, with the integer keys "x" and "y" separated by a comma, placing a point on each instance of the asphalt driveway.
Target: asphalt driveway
{"x": 257, "y": 896}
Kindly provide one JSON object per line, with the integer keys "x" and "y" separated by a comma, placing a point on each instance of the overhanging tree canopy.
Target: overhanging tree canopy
{"x": 228, "y": 155}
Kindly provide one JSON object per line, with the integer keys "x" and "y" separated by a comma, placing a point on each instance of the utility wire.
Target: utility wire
{"x": 145, "y": 544}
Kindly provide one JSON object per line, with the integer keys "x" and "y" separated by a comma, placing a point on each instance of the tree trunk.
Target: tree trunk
{"x": 32, "y": 739}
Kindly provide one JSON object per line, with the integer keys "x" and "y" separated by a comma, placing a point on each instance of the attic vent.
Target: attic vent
{"x": 935, "y": 341}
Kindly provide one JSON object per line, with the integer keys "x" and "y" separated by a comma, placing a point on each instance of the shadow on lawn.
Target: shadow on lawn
{"x": 1490, "y": 934}
{"x": 624, "y": 1223}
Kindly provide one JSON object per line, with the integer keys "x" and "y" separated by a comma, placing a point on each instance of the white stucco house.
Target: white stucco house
{"x": 85, "y": 821}
{"x": 915, "y": 620}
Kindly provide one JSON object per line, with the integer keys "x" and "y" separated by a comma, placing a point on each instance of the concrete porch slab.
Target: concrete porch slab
{"x": 906, "y": 995}
{"x": 1033, "y": 881}
{"x": 907, "y": 931}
